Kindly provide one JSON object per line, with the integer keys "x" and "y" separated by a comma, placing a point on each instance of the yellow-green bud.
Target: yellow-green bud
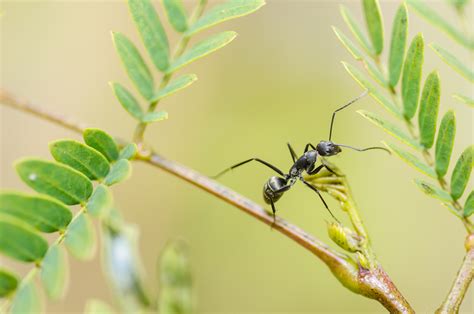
{"x": 363, "y": 260}
{"x": 344, "y": 237}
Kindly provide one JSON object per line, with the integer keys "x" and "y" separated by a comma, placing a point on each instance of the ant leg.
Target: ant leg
{"x": 316, "y": 170}
{"x": 321, "y": 197}
{"x": 345, "y": 106}
{"x": 306, "y": 148}
{"x": 292, "y": 152}
{"x": 249, "y": 160}
{"x": 273, "y": 214}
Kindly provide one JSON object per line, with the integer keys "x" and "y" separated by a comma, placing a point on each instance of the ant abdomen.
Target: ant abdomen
{"x": 272, "y": 189}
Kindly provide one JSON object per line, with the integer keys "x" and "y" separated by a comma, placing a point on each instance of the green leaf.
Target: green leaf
{"x": 462, "y": 172}
{"x": 224, "y": 12}
{"x": 464, "y": 99}
{"x": 151, "y": 31}
{"x": 120, "y": 171}
{"x": 202, "y": 49}
{"x": 55, "y": 272}
{"x": 356, "y": 30}
{"x": 389, "y": 128}
{"x": 95, "y": 306}
{"x": 134, "y": 65}
{"x": 81, "y": 238}
{"x": 348, "y": 44}
{"x": 100, "y": 202}
{"x": 412, "y": 160}
{"x": 375, "y": 73}
{"x": 373, "y": 19}
{"x": 176, "y": 14}
{"x": 8, "y": 283}
{"x": 374, "y": 92}
{"x": 411, "y": 77}
{"x": 102, "y": 142}
{"x": 80, "y": 157}
{"x": 127, "y": 100}
{"x": 433, "y": 191}
{"x": 445, "y": 143}
{"x": 429, "y": 105}
{"x": 454, "y": 62}
{"x": 27, "y": 300}
{"x": 398, "y": 45}
{"x": 155, "y": 116}
{"x": 61, "y": 182}
{"x": 174, "y": 86}
{"x": 43, "y": 213}
{"x": 20, "y": 241}
{"x": 434, "y": 18}
{"x": 468, "y": 206}
{"x": 129, "y": 151}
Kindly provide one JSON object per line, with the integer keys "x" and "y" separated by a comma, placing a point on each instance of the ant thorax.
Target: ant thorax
{"x": 304, "y": 163}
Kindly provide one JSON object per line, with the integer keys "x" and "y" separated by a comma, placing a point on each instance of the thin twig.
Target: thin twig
{"x": 460, "y": 285}
{"x": 372, "y": 283}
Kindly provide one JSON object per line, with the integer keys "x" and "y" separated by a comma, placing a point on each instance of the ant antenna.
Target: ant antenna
{"x": 364, "y": 149}
{"x": 345, "y": 106}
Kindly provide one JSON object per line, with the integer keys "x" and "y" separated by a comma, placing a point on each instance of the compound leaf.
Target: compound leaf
{"x": 375, "y": 73}
{"x": 44, "y": 213}
{"x": 346, "y": 42}
{"x": 80, "y": 157}
{"x": 411, "y": 77}
{"x": 155, "y": 116}
{"x": 175, "y": 85}
{"x": 374, "y": 92}
{"x": 20, "y": 241}
{"x": 433, "y": 191}
{"x": 81, "y": 238}
{"x": 454, "y": 62}
{"x": 127, "y": 100}
{"x": 151, "y": 31}
{"x": 462, "y": 172}
{"x": 356, "y": 30}
{"x": 445, "y": 143}
{"x": 429, "y": 105}
{"x": 413, "y": 161}
{"x": 61, "y": 182}
{"x": 224, "y": 12}
{"x": 202, "y": 49}
{"x": 100, "y": 202}
{"x": 390, "y": 128}
{"x": 129, "y": 151}
{"x": 398, "y": 45}
{"x": 434, "y": 18}
{"x": 176, "y": 14}
{"x": 120, "y": 171}
{"x": 134, "y": 64}
{"x": 27, "y": 299}
{"x": 373, "y": 19}
{"x": 102, "y": 142}
{"x": 55, "y": 272}
{"x": 469, "y": 205}
{"x": 8, "y": 283}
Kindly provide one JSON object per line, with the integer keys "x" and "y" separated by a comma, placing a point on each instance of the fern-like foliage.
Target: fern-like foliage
{"x": 411, "y": 102}
{"x": 156, "y": 43}
{"x": 462, "y": 35}
{"x": 80, "y": 176}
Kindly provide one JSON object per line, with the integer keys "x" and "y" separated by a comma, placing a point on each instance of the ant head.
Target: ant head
{"x": 328, "y": 148}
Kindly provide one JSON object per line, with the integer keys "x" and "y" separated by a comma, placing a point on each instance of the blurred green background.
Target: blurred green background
{"x": 278, "y": 82}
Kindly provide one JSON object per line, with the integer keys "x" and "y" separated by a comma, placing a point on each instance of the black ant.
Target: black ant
{"x": 276, "y": 186}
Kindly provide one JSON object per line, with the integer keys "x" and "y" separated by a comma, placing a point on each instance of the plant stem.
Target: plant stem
{"x": 460, "y": 285}
{"x": 372, "y": 283}
{"x": 181, "y": 47}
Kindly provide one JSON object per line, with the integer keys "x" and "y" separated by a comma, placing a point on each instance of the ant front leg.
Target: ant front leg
{"x": 306, "y": 148}
{"x": 292, "y": 152}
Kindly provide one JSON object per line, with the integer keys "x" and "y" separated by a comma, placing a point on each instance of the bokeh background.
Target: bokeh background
{"x": 278, "y": 82}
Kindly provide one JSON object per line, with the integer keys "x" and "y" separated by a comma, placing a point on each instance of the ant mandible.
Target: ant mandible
{"x": 277, "y": 185}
